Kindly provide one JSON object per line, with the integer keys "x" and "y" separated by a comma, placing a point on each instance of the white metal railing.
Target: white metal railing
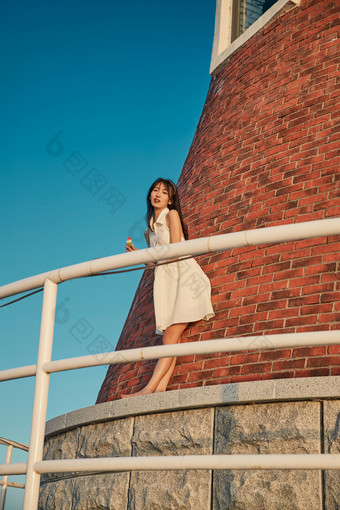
{"x": 235, "y": 344}
{"x": 4, "y": 483}
{"x": 50, "y": 280}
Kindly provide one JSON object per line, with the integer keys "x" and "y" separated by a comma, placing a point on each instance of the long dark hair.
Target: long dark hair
{"x": 175, "y": 203}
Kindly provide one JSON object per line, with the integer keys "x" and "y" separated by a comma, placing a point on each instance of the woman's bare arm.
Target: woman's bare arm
{"x": 175, "y": 226}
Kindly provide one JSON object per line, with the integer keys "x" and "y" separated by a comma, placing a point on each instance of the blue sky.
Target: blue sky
{"x": 98, "y": 99}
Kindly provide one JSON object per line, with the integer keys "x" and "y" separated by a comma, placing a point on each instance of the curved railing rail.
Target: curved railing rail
{"x": 195, "y": 247}
{"x": 44, "y": 366}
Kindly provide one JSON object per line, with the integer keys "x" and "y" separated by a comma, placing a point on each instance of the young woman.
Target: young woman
{"x": 182, "y": 292}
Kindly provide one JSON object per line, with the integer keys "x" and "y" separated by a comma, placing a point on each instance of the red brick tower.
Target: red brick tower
{"x": 265, "y": 153}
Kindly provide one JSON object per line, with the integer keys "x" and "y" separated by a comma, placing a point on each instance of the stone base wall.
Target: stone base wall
{"x": 301, "y": 426}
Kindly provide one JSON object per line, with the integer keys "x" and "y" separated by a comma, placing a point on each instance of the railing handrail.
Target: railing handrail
{"x": 12, "y": 484}
{"x": 194, "y": 247}
{"x": 5, "y": 483}
{"x": 307, "y": 461}
{"x": 234, "y": 344}
{"x": 15, "y": 444}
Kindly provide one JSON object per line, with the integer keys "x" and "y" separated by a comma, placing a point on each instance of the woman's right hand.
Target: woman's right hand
{"x": 130, "y": 248}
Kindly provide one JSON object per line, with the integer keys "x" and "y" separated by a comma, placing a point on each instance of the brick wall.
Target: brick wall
{"x": 266, "y": 152}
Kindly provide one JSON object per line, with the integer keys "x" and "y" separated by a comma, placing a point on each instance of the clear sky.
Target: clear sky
{"x": 97, "y": 100}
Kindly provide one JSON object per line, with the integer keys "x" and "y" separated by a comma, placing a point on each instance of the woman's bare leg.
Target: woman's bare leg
{"x": 163, "y": 383}
{"x": 165, "y": 366}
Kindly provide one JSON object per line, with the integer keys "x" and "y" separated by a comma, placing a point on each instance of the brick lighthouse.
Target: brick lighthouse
{"x": 265, "y": 153}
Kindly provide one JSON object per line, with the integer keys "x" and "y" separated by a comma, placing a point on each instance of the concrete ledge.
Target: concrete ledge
{"x": 276, "y": 390}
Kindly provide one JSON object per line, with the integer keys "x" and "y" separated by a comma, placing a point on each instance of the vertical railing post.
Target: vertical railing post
{"x": 5, "y": 478}
{"x": 40, "y": 395}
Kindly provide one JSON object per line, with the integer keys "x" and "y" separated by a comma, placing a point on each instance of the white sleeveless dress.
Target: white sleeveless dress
{"x": 181, "y": 291}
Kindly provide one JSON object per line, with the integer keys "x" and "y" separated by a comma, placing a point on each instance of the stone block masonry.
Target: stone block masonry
{"x": 264, "y": 417}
